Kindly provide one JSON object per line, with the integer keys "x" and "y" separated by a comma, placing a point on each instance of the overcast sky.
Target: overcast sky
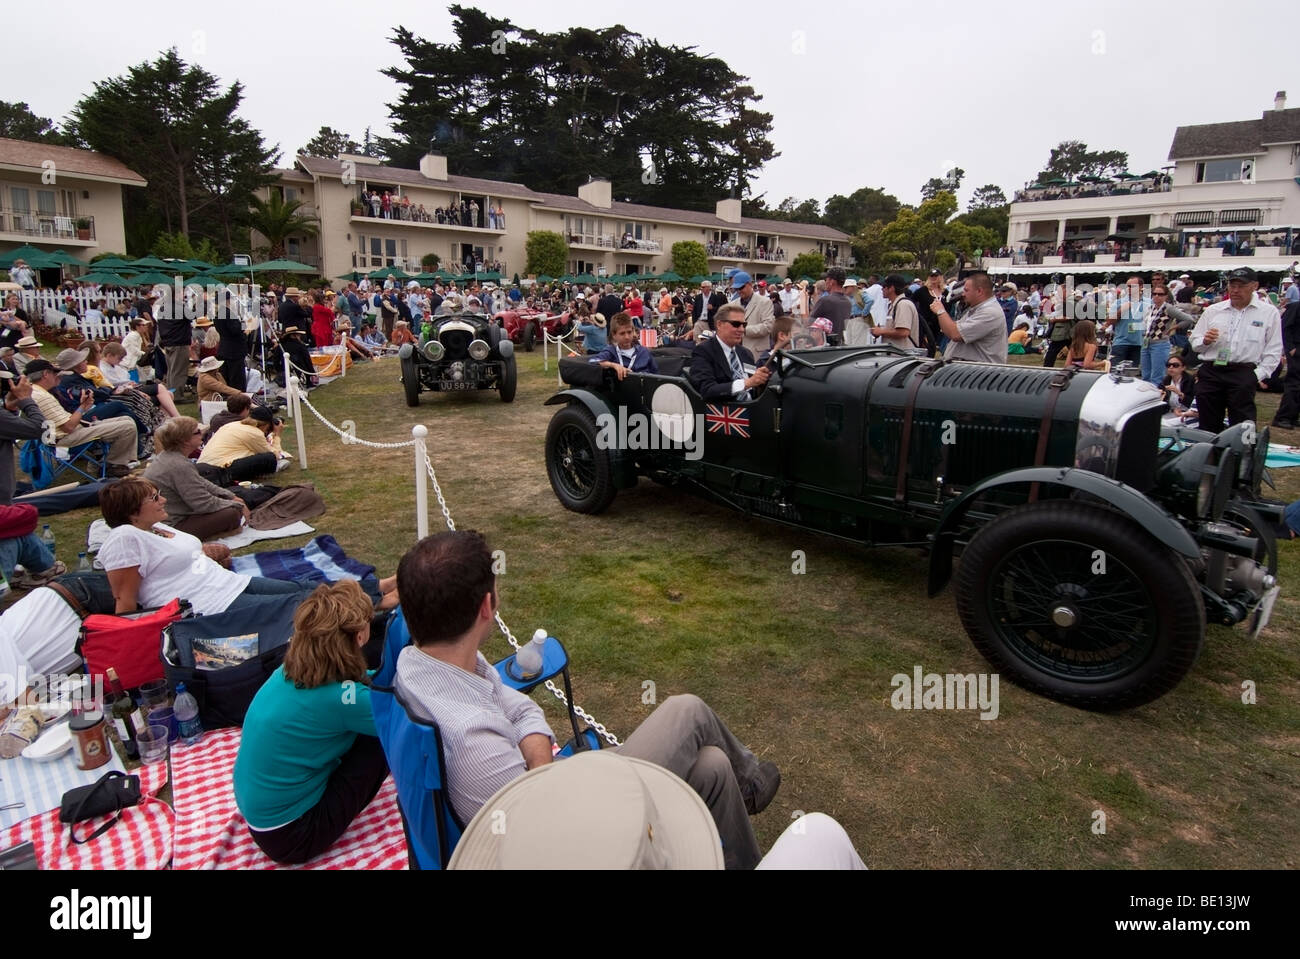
{"x": 862, "y": 94}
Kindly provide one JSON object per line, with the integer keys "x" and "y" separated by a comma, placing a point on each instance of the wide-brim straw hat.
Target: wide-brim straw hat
{"x": 596, "y": 810}
{"x": 209, "y": 364}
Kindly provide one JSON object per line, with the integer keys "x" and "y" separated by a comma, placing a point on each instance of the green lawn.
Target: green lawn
{"x": 666, "y": 589}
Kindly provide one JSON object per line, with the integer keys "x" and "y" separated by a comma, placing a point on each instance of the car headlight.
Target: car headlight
{"x": 433, "y": 350}
{"x": 479, "y": 350}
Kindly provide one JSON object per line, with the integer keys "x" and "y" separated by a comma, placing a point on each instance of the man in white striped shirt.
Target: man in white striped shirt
{"x": 492, "y": 734}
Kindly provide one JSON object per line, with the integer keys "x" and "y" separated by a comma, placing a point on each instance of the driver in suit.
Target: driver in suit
{"x": 722, "y": 369}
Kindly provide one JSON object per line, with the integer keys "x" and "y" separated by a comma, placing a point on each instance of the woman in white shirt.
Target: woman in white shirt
{"x": 136, "y": 343}
{"x": 149, "y": 563}
{"x": 112, "y": 364}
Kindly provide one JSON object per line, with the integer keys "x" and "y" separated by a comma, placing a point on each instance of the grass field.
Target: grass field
{"x": 663, "y": 588}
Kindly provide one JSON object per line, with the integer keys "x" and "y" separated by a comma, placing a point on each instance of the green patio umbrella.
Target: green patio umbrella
{"x": 282, "y": 266}
{"x": 229, "y": 269}
{"x": 1039, "y": 239}
{"x": 1150, "y": 175}
{"x": 585, "y": 278}
{"x": 697, "y": 279}
{"x": 152, "y": 278}
{"x": 353, "y": 277}
{"x": 492, "y": 275}
{"x": 545, "y": 279}
{"x": 64, "y": 259}
{"x": 151, "y": 263}
{"x": 670, "y": 277}
{"x": 104, "y": 278}
{"x": 199, "y": 266}
{"x": 1166, "y": 230}
{"x": 28, "y": 253}
{"x": 1056, "y": 181}
{"x": 111, "y": 262}
{"x": 383, "y": 273}
{"x": 444, "y": 274}
{"x": 1127, "y": 176}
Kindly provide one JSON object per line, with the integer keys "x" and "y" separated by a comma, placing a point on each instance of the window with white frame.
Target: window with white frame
{"x": 1226, "y": 171}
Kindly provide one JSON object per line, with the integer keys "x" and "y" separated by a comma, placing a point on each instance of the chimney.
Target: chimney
{"x": 729, "y": 210}
{"x": 433, "y": 166}
{"x": 597, "y": 192}
{"x": 1279, "y": 101}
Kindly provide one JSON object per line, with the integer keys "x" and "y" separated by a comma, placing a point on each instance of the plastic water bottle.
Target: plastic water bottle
{"x": 83, "y": 564}
{"x": 528, "y": 661}
{"x": 186, "y": 709}
{"x": 47, "y": 537}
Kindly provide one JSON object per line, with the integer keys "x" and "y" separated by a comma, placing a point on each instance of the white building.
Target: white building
{"x": 1227, "y": 183}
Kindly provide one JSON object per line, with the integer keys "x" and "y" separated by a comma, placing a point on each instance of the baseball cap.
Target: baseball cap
{"x": 36, "y": 367}
{"x": 261, "y": 414}
{"x": 1243, "y": 273}
{"x": 740, "y": 278}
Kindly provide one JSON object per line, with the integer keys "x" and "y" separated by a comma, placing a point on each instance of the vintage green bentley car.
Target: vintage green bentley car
{"x": 1094, "y": 542}
{"x": 468, "y": 351}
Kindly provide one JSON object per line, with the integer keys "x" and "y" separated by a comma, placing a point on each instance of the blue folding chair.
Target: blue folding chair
{"x": 413, "y": 746}
{"x": 45, "y": 466}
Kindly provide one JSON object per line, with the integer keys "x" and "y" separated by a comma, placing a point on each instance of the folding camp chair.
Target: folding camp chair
{"x": 414, "y": 747}
{"x": 46, "y": 464}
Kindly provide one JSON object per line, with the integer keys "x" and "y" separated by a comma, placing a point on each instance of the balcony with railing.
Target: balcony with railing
{"x": 48, "y": 226}
{"x": 368, "y": 263}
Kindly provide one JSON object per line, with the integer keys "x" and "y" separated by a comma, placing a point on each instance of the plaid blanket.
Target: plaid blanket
{"x": 211, "y": 834}
{"x": 320, "y": 561}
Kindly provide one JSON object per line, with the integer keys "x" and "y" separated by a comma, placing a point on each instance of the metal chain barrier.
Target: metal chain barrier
{"x": 556, "y": 691}
{"x": 348, "y": 438}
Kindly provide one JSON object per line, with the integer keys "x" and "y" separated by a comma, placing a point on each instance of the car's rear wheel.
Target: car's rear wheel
{"x": 1080, "y": 604}
{"x": 579, "y": 470}
{"x": 509, "y": 380}
{"x": 530, "y": 336}
{"x": 411, "y": 380}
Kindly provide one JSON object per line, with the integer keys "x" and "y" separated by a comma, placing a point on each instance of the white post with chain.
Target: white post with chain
{"x": 546, "y": 354}
{"x": 288, "y": 374}
{"x": 300, "y": 424}
{"x": 418, "y": 433}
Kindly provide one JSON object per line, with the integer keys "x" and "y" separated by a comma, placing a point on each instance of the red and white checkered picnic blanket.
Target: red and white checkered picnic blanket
{"x": 141, "y": 839}
{"x": 211, "y": 834}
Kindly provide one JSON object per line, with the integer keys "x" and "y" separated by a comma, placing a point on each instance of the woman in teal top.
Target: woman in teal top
{"x": 309, "y": 760}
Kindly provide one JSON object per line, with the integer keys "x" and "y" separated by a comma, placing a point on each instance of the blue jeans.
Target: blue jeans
{"x": 1154, "y": 358}
{"x": 260, "y": 586}
{"x": 28, "y": 550}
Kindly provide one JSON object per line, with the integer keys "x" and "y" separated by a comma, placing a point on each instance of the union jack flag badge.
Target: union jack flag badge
{"x": 728, "y": 420}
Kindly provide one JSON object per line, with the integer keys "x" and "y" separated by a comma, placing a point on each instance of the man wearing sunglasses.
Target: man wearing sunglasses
{"x": 721, "y": 368}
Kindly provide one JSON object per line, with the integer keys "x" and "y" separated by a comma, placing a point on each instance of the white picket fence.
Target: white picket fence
{"x": 48, "y": 306}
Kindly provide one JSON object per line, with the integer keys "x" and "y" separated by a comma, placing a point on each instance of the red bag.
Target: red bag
{"x": 17, "y": 520}
{"x": 131, "y": 645}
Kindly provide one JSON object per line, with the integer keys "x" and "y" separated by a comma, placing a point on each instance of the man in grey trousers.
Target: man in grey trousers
{"x": 492, "y": 734}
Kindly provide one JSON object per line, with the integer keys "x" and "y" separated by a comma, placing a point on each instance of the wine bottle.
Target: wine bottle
{"x": 124, "y": 715}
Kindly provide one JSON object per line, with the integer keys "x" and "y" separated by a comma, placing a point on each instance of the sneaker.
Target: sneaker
{"x": 119, "y": 470}
{"x": 281, "y": 465}
{"x": 762, "y": 790}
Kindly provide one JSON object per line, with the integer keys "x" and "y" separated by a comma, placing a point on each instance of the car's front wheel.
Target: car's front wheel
{"x": 579, "y": 470}
{"x": 530, "y": 336}
{"x": 1079, "y": 603}
{"x": 509, "y": 380}
{"x": 411, "y": 380}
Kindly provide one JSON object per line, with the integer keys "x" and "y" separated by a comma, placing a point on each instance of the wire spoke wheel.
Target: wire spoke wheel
{"x": 580, "y": 472}
{"x": 1078, "y": 602}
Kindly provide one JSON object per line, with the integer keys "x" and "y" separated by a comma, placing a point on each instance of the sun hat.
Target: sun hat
{"x": 69, "y": 358}
{"x": 27, "y": 342}
{"x": 598, "y": 319}
{"x": 202, "y": 322}
{"x": 208, "y": 364}
{"x": 596, "y": 810}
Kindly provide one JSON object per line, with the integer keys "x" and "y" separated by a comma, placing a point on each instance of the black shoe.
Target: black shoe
{"x": 1282, "y": 425}
{"x": 759, "y": 793}
{"x": 118, "y": 470}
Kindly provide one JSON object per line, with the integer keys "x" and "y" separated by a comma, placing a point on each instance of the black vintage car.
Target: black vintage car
{"x": 468, "y": 351}
{"x": 1095, "y": 543}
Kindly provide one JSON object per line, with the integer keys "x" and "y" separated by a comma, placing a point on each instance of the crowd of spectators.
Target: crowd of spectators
{"x": 1160, "y": 183}
{"x": 390, "y": 206}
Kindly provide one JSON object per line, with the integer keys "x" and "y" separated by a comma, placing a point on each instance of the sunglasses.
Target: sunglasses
{"x": 1177, "y": 366}
{"x": 740, "y": 323}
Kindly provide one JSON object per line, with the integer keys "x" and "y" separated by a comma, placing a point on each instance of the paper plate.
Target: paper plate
{"x": 51, "y": 744}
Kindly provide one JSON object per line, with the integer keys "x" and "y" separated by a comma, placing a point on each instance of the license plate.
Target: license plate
{"x": 1264, "y": 611}
{"x": 456, "y": 385}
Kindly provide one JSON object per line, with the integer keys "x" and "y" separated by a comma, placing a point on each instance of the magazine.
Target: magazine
{"x": 225, "y": 651}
